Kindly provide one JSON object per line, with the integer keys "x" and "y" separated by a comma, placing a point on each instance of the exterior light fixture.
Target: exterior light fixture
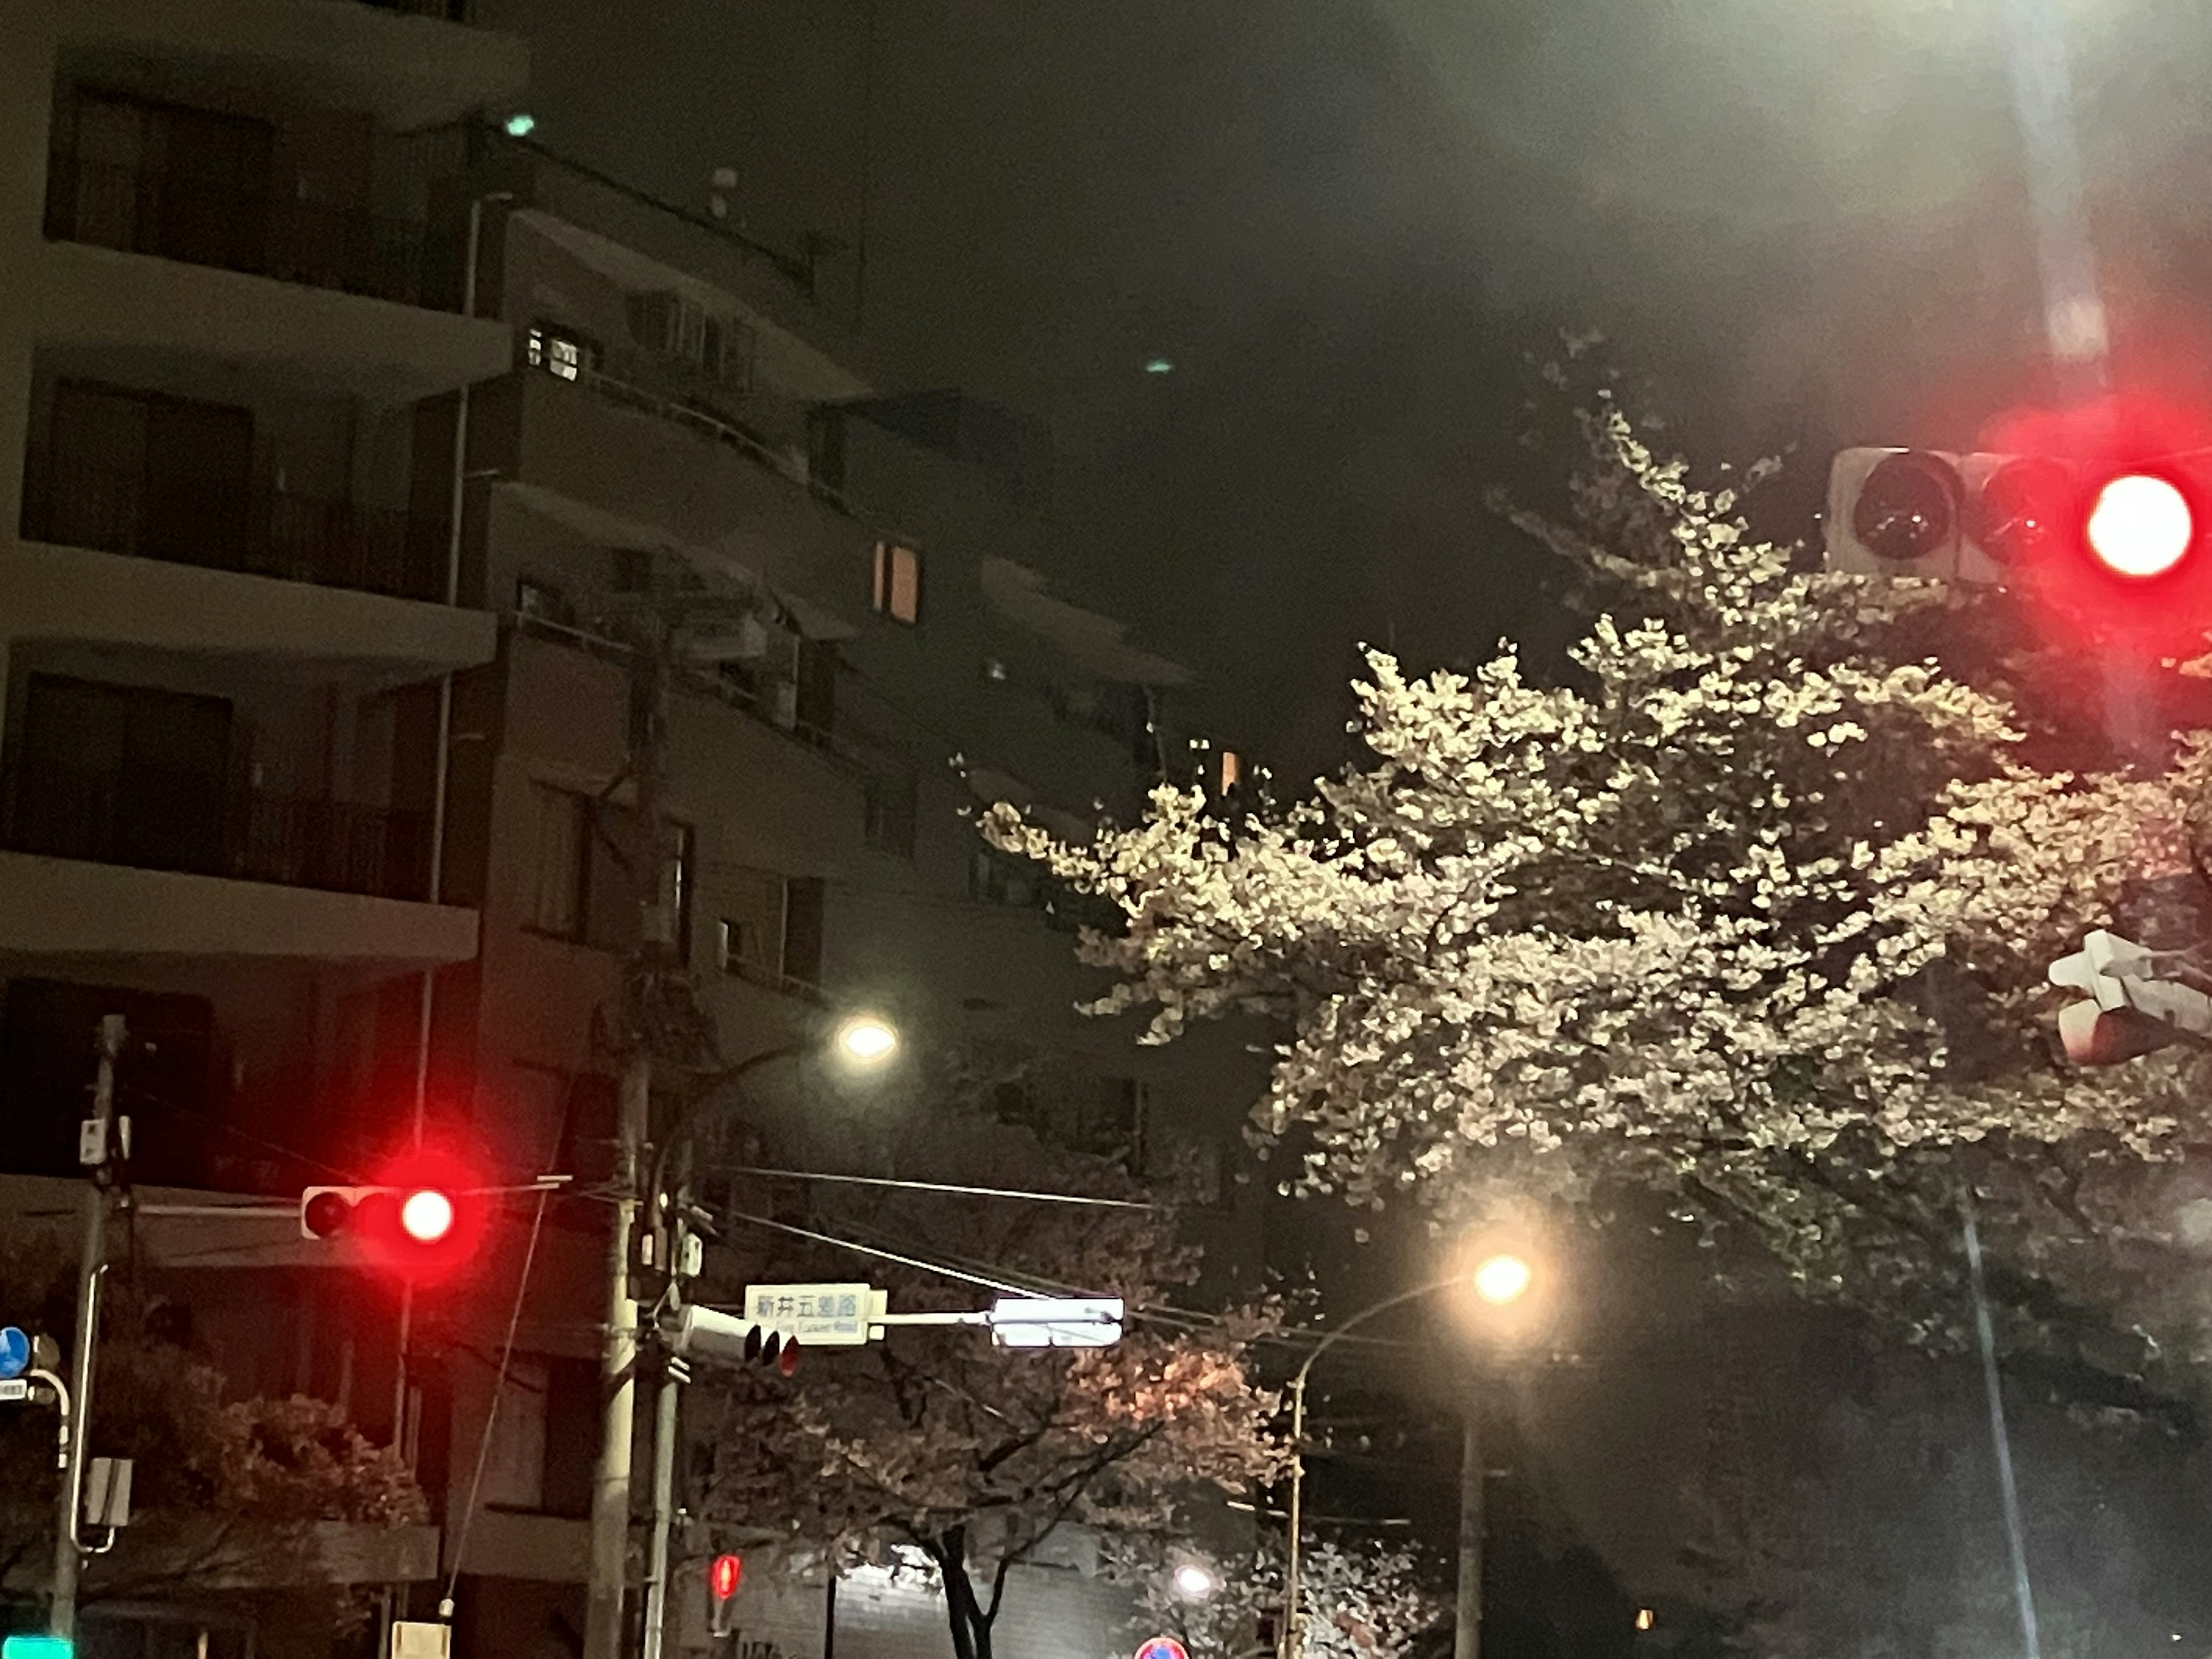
{"x": 1194, "y": 1583}
{"x": 1502, "y": 1278}
{"x": 521, "y": 124}
{"x": 867, "y": 1039}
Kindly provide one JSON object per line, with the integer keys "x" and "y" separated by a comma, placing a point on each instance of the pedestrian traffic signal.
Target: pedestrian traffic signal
{"x": 422, "y": 1221}
{"x": 724, "y": 1574}
{"x": 704, "y": 1333}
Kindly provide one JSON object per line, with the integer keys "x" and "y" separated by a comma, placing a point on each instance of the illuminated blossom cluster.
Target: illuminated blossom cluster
{"x": 1758, "y": 883}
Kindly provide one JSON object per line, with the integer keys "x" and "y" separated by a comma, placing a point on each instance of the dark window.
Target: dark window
{"x": 543, "y": 602}
{"x": 803, "y": 908}
{"x": 160, "y": 179}
{"x": 889, "y": 812}
{"x": 816, "y": 705}
{"x": 632, "y": 569}
{"x": 572, "y": 1434}
{"x": 120, "y": 775}
{"x": 1113, "y": 1124}
{"x": 133, "y": 473}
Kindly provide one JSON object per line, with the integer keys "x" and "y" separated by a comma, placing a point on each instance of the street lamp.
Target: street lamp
{"x": 866, "y": 1039}
{"x": 1500, "y": 1279}
{"x": 1194, "y": 1583}
{"x": 863, "y": 1039}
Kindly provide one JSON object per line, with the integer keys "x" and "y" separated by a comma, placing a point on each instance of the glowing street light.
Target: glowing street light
{"x": 1502, "y": 1278}
{"x": 866, "y": 1039}
{"x": 1194, "y": 1583}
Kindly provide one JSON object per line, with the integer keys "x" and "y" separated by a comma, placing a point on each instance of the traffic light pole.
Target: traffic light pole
{"x": 94, "y": 1151}
{"x": 664, "y": 1418}
{"x": 1466, "y": 1622}
{"x": 610, "y": 1557}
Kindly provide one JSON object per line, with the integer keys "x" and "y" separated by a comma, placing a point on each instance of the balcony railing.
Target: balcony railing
{"x": 223, "y": 524}
{"x": 235, "y": 226}
{"x": 191, "y": 822}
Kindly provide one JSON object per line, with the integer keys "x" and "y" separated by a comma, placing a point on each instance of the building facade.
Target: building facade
{"x": 368, "y": 465}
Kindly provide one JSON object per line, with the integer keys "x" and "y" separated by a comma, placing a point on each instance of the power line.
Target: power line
{"x": 949, "y": 1188}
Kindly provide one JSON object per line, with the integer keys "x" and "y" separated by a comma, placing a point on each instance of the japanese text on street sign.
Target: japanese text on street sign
{"x": 819, "y": 1316}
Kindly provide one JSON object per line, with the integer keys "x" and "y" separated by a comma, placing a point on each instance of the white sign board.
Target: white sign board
{"x": 819, "y": 1316}
{"x": 15, "y": 1387}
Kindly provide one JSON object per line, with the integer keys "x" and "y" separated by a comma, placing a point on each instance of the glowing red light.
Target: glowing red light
{"x": 2140, "y": 525}
{"x": 723, "y": 1573}
{"x": 426, "y": 1215}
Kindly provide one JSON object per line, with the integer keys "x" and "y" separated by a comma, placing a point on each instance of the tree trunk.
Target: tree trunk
{"x": 971, "y": 1624}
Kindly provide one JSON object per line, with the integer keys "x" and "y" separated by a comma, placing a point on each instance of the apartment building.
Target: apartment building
{"x": 318, "y": 758}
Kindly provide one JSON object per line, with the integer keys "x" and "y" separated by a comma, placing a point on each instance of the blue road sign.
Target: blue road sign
{"x": 15, "y": 1360}
{"x": 1160, "y": 1647}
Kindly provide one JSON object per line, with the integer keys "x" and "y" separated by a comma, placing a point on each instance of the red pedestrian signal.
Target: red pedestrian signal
{"x": 421, "y": 1222}
{"x": 723, "y": 1574}
{"x": 2139, "y": 526}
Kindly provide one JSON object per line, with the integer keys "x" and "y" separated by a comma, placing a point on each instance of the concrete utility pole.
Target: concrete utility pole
{"x": 1466, "y": 1625}
{"x": 618, "y": 1353}
{"x": 96, "y": 1147}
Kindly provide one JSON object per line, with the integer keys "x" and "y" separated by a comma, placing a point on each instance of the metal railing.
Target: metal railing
{"x": 224, "y": 523}
{"x": 234, "y": 225}
{"x": 203, "y": 827}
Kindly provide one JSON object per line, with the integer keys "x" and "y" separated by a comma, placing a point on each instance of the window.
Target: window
{"x": 514, "y": 1462}
{"x": 898, "y": 582}
{"x": 558, "y": 865}
{"x": 543, "y": 602}
{"x": 1113, "y": 1124}
{"x": 772, "y": 930}
{"x": 1229, "y": 771}
{"x": 559, "y": 352}
{"x": 889, "y": 812}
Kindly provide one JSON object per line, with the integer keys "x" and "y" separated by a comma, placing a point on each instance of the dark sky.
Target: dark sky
{"x": 1346, "y": 220}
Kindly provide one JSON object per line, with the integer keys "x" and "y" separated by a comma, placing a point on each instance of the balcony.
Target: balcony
{"x": 205, "y": 221}
{"x": 190, "y": 824}
{"x": 220, "y": 524}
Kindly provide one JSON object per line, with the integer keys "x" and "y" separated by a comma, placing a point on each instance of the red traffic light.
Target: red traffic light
{"x": 2140, "y": 525}
{"x": 723, "y": 1574}
{"x": 422, "y": 1222}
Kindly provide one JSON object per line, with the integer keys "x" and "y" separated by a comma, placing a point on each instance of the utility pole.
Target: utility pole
{"x": 96, "y": 1149}
{"x": 618, "y": 1352}
{"x": 1466, "y": 1625}
{"x": 674, "y": 1374}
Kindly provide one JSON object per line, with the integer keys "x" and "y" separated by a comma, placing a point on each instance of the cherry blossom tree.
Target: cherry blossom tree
{"x": 1361, "y": 1600}
{"x": 932, "y": 1440}
{"x": 1749, "y": 906}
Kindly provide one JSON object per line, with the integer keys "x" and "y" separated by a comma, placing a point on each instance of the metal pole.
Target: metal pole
{"x": 1292, "y": 1620}
{"x": 664, "y": 1417}
{"x": 609, "y": 1558}
{"x": 426, "y": 1000}
{"x": 1466, "y": 1627}
{"x": 94, "y": 1151}
{"x": 2031, "y": 1642}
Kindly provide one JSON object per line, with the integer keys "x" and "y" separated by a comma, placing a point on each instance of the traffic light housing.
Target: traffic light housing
{"x": 2138, "y": 999}
{"x": 724, "y": 1574}
{"x": 2101, "y": 515}
{"x": 697, "y": 1333}
{"x": 422, "y": 1221}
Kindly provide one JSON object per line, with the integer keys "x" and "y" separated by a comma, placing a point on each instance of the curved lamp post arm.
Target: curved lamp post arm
{"x": 1292, "y": 1623}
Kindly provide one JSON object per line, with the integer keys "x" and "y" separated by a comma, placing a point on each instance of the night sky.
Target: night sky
{"x": 1345, "y": 222}
{"x": 1348, "y": 221}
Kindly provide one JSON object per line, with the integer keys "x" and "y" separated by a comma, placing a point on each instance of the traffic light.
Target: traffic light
{"x": 724, "y": 1574}
{"x": 703, "y": 1333}
{"x": 2102, "y": 515}
{"x": 422, "y": 1221}
{"x": 2138, "y": 1001}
